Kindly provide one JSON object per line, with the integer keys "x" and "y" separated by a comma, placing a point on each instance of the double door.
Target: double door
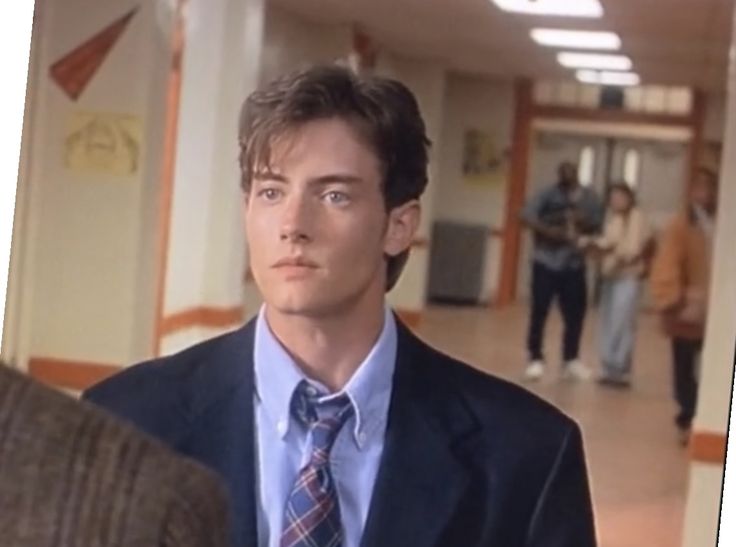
{"x": 655, "y": 169}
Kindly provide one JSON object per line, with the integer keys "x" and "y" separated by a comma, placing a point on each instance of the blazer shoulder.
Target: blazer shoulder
{"x": 499, "y": 404}
{"x": 159, "y": 393}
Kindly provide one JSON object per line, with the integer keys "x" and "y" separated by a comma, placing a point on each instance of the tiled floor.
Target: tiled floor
{"x": 638, "y": 471}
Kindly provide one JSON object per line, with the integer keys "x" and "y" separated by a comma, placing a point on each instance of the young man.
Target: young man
{"x": 72, "y": 475}
{"x": 679, "y": 286}
{"x": 558, "y": 216}
{"x": 332, "y": 424}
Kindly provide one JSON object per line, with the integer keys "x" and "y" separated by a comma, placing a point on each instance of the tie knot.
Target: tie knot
{"x": 324, "y": 419}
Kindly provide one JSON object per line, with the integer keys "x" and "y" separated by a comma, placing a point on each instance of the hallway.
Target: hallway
{"x": 638, "y": 471}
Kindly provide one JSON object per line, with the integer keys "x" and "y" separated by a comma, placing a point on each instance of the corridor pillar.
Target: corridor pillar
{"x": 201, "y": 243}
{"x": 708, "y": 443}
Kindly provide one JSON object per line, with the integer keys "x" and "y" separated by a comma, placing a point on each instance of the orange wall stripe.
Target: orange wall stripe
{"x": 708, "y": 447}
{"x": 201, "y": 317}
{"x": 516, "y": 191}
{"x": 77, "y": 375}
{"x": 420, "y": 243}
{"x": 173, "y": 96}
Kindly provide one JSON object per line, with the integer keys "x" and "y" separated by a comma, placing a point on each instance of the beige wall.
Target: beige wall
{"x": 81, "y": 245}
{"x": 291, "y": 42}
{"x": 487, "y": 105}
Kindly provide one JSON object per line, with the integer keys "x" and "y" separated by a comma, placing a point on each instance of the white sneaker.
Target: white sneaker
{"x": 576, "y": 370}
{"x": 534, "y": 371}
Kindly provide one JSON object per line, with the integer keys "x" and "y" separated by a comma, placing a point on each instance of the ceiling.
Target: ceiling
{"x": 671, "y": 42}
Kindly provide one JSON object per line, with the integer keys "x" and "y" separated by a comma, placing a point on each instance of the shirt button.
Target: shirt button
{"x": 281, "y": 427}
{"x": 361, "y": 437}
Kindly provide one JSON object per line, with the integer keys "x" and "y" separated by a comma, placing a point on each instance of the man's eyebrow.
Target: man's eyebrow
{"x": 269, "y": 175}
{"x": 322, "y": 180}
{"x": 336, "y": 178}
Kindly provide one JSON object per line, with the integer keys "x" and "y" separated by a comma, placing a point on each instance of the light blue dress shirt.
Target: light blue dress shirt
{"x": 284, "y": 446}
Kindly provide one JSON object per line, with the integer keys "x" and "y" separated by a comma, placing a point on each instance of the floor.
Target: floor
{"x": 638, "y": 470}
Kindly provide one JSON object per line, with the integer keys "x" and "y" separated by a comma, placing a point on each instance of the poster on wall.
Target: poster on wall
{"x": 484, "y": 162}
{"x": 103, "y": 143}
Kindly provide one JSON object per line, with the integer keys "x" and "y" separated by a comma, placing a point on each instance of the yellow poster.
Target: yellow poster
{"x": 484, "y": 162}
{"x": 104, "y": 143}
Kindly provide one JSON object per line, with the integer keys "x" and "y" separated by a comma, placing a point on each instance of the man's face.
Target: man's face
{"x": 568, "y": 174}
{"x": 704, "y": 192}
{"x": 620, "y": 201}
{"x": 316, "y": 224}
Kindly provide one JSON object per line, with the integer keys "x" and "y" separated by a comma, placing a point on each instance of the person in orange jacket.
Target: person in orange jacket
{"x": 679, "y": 286}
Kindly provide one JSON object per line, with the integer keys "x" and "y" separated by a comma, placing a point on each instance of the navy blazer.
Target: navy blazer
{"x": 469, "y": 460}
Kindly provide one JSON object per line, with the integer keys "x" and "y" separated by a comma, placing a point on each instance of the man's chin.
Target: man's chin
{"x": 304, "y": 307}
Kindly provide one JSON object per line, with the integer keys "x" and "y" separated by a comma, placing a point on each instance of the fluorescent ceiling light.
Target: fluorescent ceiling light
{"x": 607, "y": 78}
{"x": 569, "y": 8}
{"x": 594, "y": 60}
{"x": 578, "y": 39}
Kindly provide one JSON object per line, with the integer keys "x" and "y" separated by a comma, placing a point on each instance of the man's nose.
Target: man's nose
{"x": 296, "y": 221}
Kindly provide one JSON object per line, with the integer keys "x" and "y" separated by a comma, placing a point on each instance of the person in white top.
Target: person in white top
{"x": 624, "y": 250}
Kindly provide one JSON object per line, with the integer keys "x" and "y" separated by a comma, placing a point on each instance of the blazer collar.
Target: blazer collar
{"x": 422, "y": 476}
{"x": 218, "y": 401}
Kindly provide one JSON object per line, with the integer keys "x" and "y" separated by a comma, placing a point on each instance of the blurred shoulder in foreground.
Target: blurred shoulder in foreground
{"x": 70, "y": 475}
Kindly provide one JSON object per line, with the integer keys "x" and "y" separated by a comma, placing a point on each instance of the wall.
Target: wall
{"x": 487, "y": 105}
{"x": 292, "y": 42}
{"x": 81, "y": 244}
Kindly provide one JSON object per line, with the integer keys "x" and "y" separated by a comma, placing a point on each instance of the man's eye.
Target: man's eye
{"x": 269, "y": 193}
{"x": 337, "y": 198}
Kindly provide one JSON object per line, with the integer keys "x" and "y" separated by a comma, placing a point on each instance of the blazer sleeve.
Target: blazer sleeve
{"x": 563, "y": 516}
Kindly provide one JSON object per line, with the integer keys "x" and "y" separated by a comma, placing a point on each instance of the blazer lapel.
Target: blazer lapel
{"x": 421, "y": 479}
{"x": 222, "y": 432}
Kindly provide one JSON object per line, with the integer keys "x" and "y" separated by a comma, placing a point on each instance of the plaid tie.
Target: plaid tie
{"x": 313, "y": 511}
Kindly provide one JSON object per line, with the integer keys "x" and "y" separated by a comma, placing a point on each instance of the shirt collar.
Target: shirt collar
{"x": 369, "y": 389}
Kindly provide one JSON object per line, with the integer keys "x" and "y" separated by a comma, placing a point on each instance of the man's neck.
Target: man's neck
{"x": 329, "y": 349}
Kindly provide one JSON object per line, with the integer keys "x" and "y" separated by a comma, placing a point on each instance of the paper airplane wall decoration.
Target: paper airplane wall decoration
{"x": 74, "y": 71}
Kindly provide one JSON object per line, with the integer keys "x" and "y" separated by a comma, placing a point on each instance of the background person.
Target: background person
{"x": 558, "y": 216}
{"x": 679, "y": 285}
{"x": 623, "y": 249}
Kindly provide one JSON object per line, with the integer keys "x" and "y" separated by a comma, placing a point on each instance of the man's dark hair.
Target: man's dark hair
{"x": 383, "y": 111}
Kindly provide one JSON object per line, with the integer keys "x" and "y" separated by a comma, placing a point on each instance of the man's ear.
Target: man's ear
{"x": 403, "y": 223}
